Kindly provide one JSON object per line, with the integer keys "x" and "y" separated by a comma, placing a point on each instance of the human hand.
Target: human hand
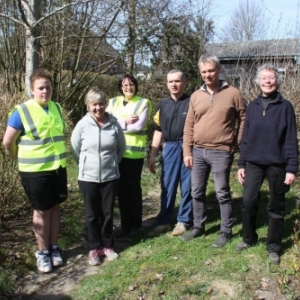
{"x": 132, "y": 119}
{"x": 289, "y": 178}
{"x": 188, "y": 161}
{"x": 151, "y": 165}
{"x": 241, "y": 175}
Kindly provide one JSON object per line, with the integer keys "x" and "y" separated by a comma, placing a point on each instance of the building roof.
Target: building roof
{"x": 108, "y": 50}
{"x": 284, "y": 48}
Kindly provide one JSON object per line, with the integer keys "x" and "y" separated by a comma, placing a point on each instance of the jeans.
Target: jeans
{"x": 219, "y": 162}
{"x": 99, "y": 201}
{"x": 254, "y": 178}
{"x": 174, "y": 173}
{"x": 130, "y": 193}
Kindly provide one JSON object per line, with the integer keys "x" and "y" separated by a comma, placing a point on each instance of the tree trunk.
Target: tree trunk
{"x": 131, "y": 35}
{"x": 32, "y": 57}
{"x": 33, "y": 46}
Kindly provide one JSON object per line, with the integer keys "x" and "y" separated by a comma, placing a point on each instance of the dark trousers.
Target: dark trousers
{"x": 130, "y": 193}
{"x": 175, "y": 173}
{"x": 99, "y": 201}
{"x": 254, "y": 178}
{"x": 219, "y": 163}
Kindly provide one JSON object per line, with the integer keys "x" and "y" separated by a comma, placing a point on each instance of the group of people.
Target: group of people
{"x": 200, "y": 134}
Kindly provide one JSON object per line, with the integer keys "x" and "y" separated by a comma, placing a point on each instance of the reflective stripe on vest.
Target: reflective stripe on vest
{"x": 42, "y": 148}
{"x": 136, "y": 149}
{"x": 42, "y": 141}
{"x": 135, "y": 142}
{"x": 42, "y": 159}
{"x": 31, "y": 123}
{"x": 137, "y": 104}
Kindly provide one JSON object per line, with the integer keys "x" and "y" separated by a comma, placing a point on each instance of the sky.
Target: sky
{"x": 281, "y": 16}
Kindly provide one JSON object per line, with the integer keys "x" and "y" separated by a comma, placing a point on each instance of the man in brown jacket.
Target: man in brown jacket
{"x": 212, "y": 133}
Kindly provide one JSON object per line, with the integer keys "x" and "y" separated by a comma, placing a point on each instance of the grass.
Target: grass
{"x": 168, "y": 268}
{"x": 164, "y": 267}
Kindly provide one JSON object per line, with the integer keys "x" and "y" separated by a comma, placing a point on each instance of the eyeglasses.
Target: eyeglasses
{"x": 271, "y": 78}
{"x": 128, "y": 85}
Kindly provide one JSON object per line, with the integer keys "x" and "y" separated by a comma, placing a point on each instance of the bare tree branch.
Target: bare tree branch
{"x": 245, "y": 22}
{"x": 13, "y": 19}
{"x": 60, "y": 10}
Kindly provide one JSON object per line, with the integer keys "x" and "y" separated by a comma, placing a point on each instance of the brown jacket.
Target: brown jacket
{"x": 214, "y": 121}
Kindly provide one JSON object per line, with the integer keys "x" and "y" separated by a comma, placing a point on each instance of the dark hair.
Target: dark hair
{"x": 40, "y": 73}
{"x": 173, "y": 71}
{"x": 132, "y": 79}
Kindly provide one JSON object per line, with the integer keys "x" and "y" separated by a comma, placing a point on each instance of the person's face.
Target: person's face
{"x": 210, "y": 73}
{"x": 42, "y": 91}
{"x": 97, "y": 109}
{"x": 267, "y": 82}
{"x": 176, "y": 84}
{"x": 128, "y": 88}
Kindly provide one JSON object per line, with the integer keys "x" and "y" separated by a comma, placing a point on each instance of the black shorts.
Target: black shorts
{"x": 45, "y": 189}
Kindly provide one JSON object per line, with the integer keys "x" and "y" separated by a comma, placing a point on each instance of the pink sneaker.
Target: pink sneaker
{"x": 109, "y": 253}
{"x": 94, "y": 258}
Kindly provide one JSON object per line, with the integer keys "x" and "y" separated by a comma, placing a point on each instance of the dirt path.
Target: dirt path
{"x": 63, "y": 280}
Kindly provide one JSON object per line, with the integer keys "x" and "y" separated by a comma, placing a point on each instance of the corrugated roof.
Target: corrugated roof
{"x": 264, "y": 48}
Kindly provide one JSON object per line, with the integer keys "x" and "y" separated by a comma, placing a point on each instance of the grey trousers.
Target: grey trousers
{"x": 219, "y": 162}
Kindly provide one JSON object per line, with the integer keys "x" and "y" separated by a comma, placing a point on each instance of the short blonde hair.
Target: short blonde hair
{"x": 94, "y": 95}
{"x": 205, "y": 58}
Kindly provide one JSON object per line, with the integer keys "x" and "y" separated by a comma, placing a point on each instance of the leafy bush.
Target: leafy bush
{"x": 9, "y": 178}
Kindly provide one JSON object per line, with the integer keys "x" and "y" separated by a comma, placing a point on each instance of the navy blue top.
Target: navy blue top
{"x": 172, "y": 115}
{"x": 270, "y": 134}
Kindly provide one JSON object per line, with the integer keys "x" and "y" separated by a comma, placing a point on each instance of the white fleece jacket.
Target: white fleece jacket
{"x": 98, "y": 151}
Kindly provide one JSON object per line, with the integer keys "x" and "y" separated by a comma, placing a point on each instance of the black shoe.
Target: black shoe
{"x": 274, "y": 258}
{"x": 221, "y": 240}
{"x": 191, "y": 234}
{"x": 121, "y": 233}
{"x": 242, "y": 246}
{"x": 133, "y": 232}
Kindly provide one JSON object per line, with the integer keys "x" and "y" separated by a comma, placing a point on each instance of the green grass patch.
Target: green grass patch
{"x": 168, "y": 268}
{"x": 164, "y": 267}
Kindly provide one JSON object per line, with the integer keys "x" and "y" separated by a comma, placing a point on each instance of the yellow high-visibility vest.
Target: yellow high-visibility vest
{"x": 135, "y": 142}
{"x": 42, "y": 148}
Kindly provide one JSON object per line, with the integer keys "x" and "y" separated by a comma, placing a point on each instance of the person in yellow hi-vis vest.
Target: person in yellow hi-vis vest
{"x": 132, "y": 112}
{"x": 35, "y": 138}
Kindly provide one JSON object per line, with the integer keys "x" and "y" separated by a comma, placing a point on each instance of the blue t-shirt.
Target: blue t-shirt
{"x": 15, "y": 121}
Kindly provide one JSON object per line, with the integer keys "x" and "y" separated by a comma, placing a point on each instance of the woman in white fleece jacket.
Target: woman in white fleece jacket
{"x": 98, "y": 145}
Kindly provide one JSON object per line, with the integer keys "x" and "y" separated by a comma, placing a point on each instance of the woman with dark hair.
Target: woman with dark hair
{"x": 132, "y": 112}
{"x": 269, "y": 149}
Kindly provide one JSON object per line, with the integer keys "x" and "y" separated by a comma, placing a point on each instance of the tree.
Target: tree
{"x": 245, "y": 23}
{"x": 182, "y": 38}
{"x": 136, "y": 30}
{"x": 12, "y": 57}
{"x": 54, "y": 32}
{"x": 31, "y": 20}
{"x": 68, "y": 37}
{"x": 164, "y": 34}
{"x": 183, "y": 43}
